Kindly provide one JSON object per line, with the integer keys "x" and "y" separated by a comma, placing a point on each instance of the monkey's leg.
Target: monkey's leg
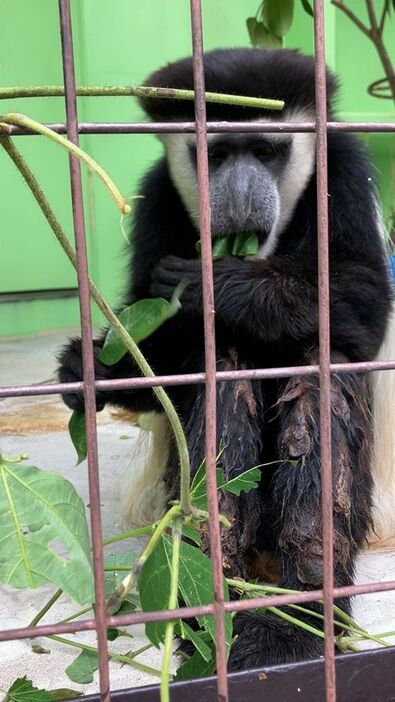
{"x": 240, "y": 408}
{"x": 295, "y": 506}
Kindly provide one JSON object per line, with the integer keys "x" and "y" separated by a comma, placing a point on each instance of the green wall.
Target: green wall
{"x": 118, "y": 43}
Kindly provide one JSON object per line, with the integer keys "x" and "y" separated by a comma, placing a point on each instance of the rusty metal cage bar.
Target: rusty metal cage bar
{"x": 212, "y": 127}
{"x": 211, "y": 376}
{"x": 209, "y": 345}
{"x": 87, "y": 348}
{"x": 324, "y": 346}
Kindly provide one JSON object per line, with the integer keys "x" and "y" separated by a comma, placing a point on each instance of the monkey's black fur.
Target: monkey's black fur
{"x": 267, "y": 315}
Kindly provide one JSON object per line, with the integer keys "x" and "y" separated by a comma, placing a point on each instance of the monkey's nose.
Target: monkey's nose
{"x": 240, "y": 195}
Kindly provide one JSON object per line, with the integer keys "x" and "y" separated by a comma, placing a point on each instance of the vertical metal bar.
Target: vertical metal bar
{"x": 87, "y": 347}
{"x": 324, "y": 342}
{"x": 209, "y": 345}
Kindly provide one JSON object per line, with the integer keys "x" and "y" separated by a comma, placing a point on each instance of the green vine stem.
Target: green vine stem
{"x": 140, "y": 91}
{"x": 115, "y": 600}
{"x": 114, "y": 656}
{"x": 131, "y": 345}
{"x": 24, "y": 121}
{"x": 173, "y": 601}
{"x": 46, "y": 607}
{"x": 349, "y": 622}
{"x": 132, "y": 534}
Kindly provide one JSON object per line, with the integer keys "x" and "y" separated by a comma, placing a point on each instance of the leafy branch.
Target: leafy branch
{"x": 127, "y": 340}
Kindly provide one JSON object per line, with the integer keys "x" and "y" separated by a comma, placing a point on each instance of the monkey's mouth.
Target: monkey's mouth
{"x": 241, "y": 244}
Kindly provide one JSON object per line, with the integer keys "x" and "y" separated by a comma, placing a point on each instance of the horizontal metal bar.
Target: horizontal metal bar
{"x": 187, "y": 612}
{"x": 212, "y": 127}
{"x": 193, "y": 378}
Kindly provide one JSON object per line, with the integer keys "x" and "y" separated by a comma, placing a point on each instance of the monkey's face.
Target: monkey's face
{"x": 255, "y": 180}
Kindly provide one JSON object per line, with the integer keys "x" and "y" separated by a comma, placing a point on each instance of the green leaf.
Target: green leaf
{"x": 77, "y": 431}
{"x": 277, "y": 16}
{"x": 43, "y": 532}
{"x": 265, "y": 39}
{"x": 196, "y": 637}
{"x": 83, "y": 667}
{"x": 23, "y": 690}
{"x": 64, "y": 693}
{"x": 113, "y": 633}
{"x": 115, "y": 569}
{"x": 251, "y": 28}
{"x": 249, "y": 480}
{"x": 246, "y": 481}
{"x": 242, "y": 244}
{"x": 198, "y": 479}
{"x": 195, "y": 584}
{"x": 196, "y": 667}
{"x": 154, "y": 590}
{"x": 308, "y": 8}
{"x": 140, "y": 320}
{"x": 245, "y": 244}
{"x": 191, "y": 533}
{"x": 198, "y": 486}
{"x": 199, "y": 494}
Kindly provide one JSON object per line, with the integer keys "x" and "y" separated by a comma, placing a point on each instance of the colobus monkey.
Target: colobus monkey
{"x": 266, "y": 315}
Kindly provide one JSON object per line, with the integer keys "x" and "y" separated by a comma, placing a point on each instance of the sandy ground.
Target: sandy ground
{"x": 38, "y": 426}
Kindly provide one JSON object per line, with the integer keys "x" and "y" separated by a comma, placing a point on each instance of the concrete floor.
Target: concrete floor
{"x": 38, "y": 426}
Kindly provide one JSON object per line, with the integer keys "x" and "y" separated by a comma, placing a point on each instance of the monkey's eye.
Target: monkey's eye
{"x": 218, "y": 154}
{"x": 264, "y": 152}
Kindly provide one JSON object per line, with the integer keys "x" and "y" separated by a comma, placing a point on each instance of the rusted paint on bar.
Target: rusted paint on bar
{"x": 193, "y": 378}
{"x": 212, "y": 127}
{"x": 87, "y": 347}
{"x": 186, "y": 612}
{"x": 209, "y": 347}
{"x": 324, "y": 346}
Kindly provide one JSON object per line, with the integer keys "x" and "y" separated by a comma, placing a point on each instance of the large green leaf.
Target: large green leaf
{"x": 23, "y": 690}
{"x": 277, "y": 16}
{"x": 196, "y": 584}
{"x": 77, "y": 431}
{"x": 196, "y": 667}
{"x": 154, "y": 590}
{"x": 43, "y": 532}
{"x": 83, "y": 667}
{"x": 140, "y": 320}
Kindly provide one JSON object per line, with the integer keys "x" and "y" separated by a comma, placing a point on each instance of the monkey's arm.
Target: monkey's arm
{"x": 274, "y": 299}
{"x": 162, "y": 350}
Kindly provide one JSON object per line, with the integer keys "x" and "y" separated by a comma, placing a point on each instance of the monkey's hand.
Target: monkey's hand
{"x": 70, "y": 371}
{"x": 172, "y": 270}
